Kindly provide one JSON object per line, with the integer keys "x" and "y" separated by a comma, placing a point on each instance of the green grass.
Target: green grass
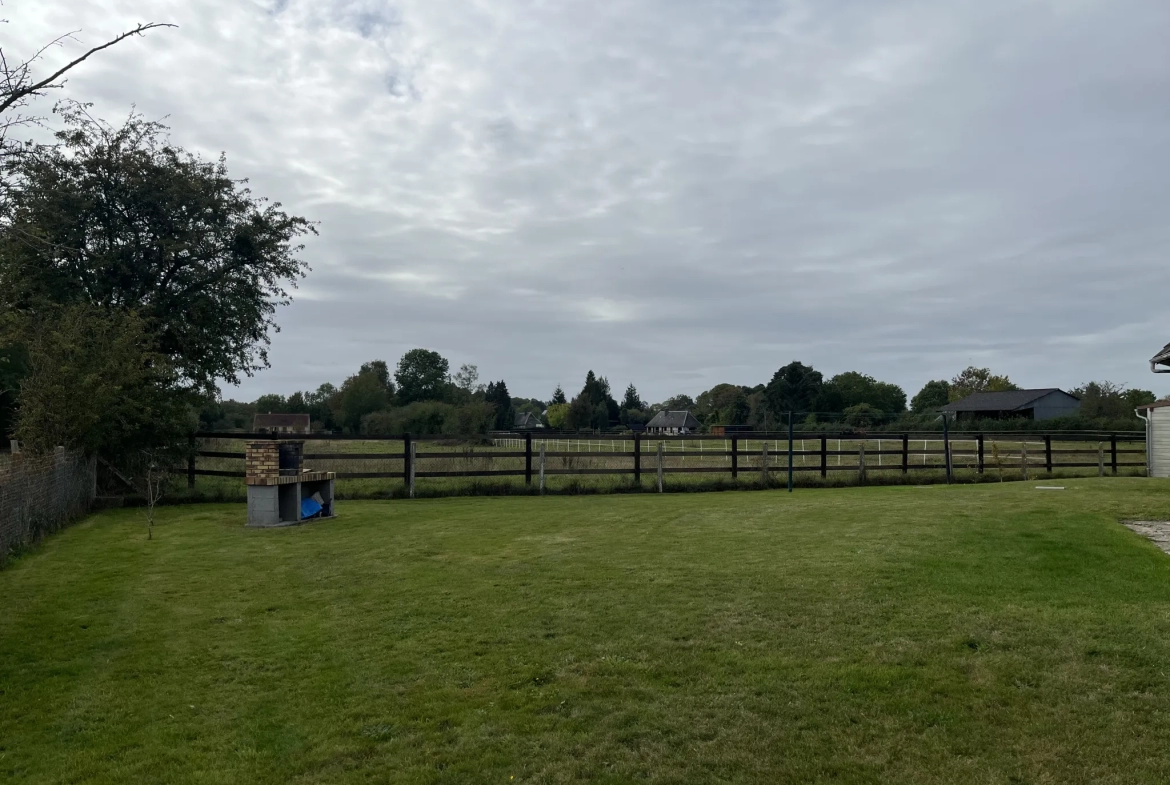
{"x": 974, "y": 634}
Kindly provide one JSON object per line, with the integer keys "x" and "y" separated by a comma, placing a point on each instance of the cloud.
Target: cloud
{"x": 682, "y": 193}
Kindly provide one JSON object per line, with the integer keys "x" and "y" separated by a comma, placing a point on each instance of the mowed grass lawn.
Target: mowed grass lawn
{"x": 975, "y": 634}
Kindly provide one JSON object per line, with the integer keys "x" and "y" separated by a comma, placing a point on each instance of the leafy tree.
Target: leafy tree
{"x": 97, "y": 382}
{"x": 975, "y": 380}
{"x": 852, "y": 388}
{"x": 558, "y": 415}
{"x": 583, "y": 412}
{"x": 361, "y": 394}
{"x": 677, "y": 403}
{"x": 580, "y": 414}
{"x": 382, "y": 371}
{"x": 13, "y": 368}
{"x": 1107, "y": 400}
{"x": 124, "y": 220}
{"x": 497, "y": 395}
{"x": 422, "y": 375}
{"x": 862, "y": 415}
{"x": 467, "y": 379}
{"x": 558, "y": 396}
{"x": 933, "y": 395}
{"x": 317, "y": 404}
{"x": 794, "y": 388}
{"x": 723, "y": 404}
{"x": 271, "y": 403}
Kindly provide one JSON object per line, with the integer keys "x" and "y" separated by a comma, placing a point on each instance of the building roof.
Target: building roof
{"x": 262, "y": 421}
{"x": 1161, "y": 358}
{"x": 1006, "y": 401}
{"x": 673, "y": 420}
{"x": 528, "y": 420}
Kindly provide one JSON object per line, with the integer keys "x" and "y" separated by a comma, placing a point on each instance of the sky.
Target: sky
{"x": 679, "y": 193}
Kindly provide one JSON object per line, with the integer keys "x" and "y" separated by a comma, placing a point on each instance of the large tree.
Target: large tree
{"x": 794, "y": 388}
{"x": 497, "y": 395}
{"x": 422, "y": 375}
{"x": 849, "y": 389}
{"x": 976, "y": 380}
{"x": 120, "y": 219}
{"x": 933, "y": 395}
{"x": 361, "y": 394}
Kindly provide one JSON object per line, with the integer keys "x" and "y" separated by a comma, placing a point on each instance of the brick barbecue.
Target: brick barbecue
{"x": 278, "y": 485}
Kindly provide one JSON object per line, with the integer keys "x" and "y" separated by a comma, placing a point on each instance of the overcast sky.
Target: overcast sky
{"x": 681, "y": 192}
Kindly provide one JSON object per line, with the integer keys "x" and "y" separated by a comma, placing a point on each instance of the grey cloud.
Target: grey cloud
{"x": 680, "y": 194}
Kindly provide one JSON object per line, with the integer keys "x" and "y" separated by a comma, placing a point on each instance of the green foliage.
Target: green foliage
{"x": 723, "y": 404}
{"x": 272, "y": 403}
{"x": 98, "y": 383}
{"x": 558, "y": 396}
{"x": 558, "y": 415}
{"x": 379, "y": 369}
{"x": 431, "y": 418}
{"x": 497, "y": 395}
{"x": 467, "y": 379}
{"x": 1110, "y": 400}
{"x": 847, "y": 390}
{"x": 632, "y": 400}
{"x": 862, "y": 415}
{"x": 976, "y": 380}
{"x": 360, "y": 395}
{"x": 677, "y": 403}
{"x": 794, "y": 388}
{"x": 932, "y": 396}
{"x": 13, "y": 368}
{"x": 580, "y": 414}
{"x": 594, "y": 407}
{"x": 422, "y": 375}
{"x": 123, "y": 220}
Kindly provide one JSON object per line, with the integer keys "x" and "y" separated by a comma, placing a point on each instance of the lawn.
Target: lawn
{"x": 973, "y": 634}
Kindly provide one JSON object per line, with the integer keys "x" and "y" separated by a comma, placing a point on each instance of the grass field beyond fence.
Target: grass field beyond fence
{"x": 987, "y": 633}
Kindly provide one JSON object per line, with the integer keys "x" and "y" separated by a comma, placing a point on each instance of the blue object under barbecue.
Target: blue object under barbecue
{"x": 309, "y": 508}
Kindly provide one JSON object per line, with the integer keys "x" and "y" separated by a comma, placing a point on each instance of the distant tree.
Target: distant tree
{"x": 467, "y": 378}
{"x": 558, "y": 416}
{"x": 723, "y": 404}
{"x": 862, "y": 415}
{"x": 676, "y": 403}
{"x": 976, "y": 380}
{"x": 1108, "y": 400}
{"x": 852, "y": 388}
{"x": 382, "y": 371}
{"x": 580, "y": 414}
{"x": 558, "y": 396}
{"x": 932, "y": 396}
{"x": 632, "y": 400}
{"x": 594, "y": 393}
{"x": 794, "y": 388}
{"x": 360, "y": 394}
{"x": 13, "y": 368}
{"x": 497, "y": 395}
{"x": 318, "y": 405}
{"x": 422, "y": 375}
{"x": 271, "y": 403}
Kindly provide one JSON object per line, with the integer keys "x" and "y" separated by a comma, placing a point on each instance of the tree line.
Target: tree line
{"x": 422, "y": 397}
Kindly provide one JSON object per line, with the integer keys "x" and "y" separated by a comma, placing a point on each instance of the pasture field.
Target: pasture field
{"x": 990, "y": 633}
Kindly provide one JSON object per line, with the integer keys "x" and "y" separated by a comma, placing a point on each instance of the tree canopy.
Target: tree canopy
{"x": 794, "y": 388}
{"x": 976, "y": 380}
{"x": 934, "y": 394}
{"x": 119, "y": 218}
{"x": 422, "y": 375}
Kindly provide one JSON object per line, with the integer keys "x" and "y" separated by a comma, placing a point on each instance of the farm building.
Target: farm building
{"x": 1157, "y": 417}
{"x": 673, "y": 423}
{"x": 280, "y": 423}
{"x": 1043, "y": 404}
{"x": 1161, "y": 359}
{"x": 527, "y": 421}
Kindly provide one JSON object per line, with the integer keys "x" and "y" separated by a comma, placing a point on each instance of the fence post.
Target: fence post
{"x": 407, "y": 460}
{"x": 1024, "y": 459}
{"x": 790, "y": 463}
{"x": 1100, "y": 459}
{"x": 637, "y": 459}
{"x": 861, "y": 463}
{"x": 191, "y": 464}
{"x": 1048, "y": 454}
{"x": 528, "y": 459}
{"x": 824, "y": 456}
{"x": 981, "y": 453}
{"x": 734, "y": 458}
{"x": 905, "y": 453}
{"x": 660, "y": 467}
{"x": 1113, "y": 454}
{"x": 412, "y": 462}
{"x": 764, "y": 465}
{"x": 542, "y": 467}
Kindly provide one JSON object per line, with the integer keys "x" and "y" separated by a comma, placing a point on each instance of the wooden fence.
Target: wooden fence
{"x": 761, "y": 454}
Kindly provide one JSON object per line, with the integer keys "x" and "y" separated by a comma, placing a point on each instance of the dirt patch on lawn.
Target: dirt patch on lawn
{"x": 1156, "y": 531}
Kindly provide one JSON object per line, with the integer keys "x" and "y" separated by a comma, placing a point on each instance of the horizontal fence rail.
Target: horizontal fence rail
{"x": 763, "y": 456}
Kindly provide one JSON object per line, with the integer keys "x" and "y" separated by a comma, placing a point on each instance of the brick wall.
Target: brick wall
{"x": 40, "y": 494}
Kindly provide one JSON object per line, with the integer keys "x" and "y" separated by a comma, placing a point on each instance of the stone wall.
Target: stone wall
{"x": 40, "y": 494}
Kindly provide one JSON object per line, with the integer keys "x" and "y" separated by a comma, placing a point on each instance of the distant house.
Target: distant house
{"x": 1162, "y": 359}
{"x": 1043, "y": 404}
{"x": 673, "y": 424}
{"x": 527, "y": 421}
{"x": 280, "y": 423}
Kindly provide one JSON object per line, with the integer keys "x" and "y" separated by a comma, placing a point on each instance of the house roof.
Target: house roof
{"x": 1162, "y": 357}
{"x": 1006, "y": 401}
{"x": 673, "y": 420}
{"x": 280, "y": 421}
{"x": 528, "y": 420}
